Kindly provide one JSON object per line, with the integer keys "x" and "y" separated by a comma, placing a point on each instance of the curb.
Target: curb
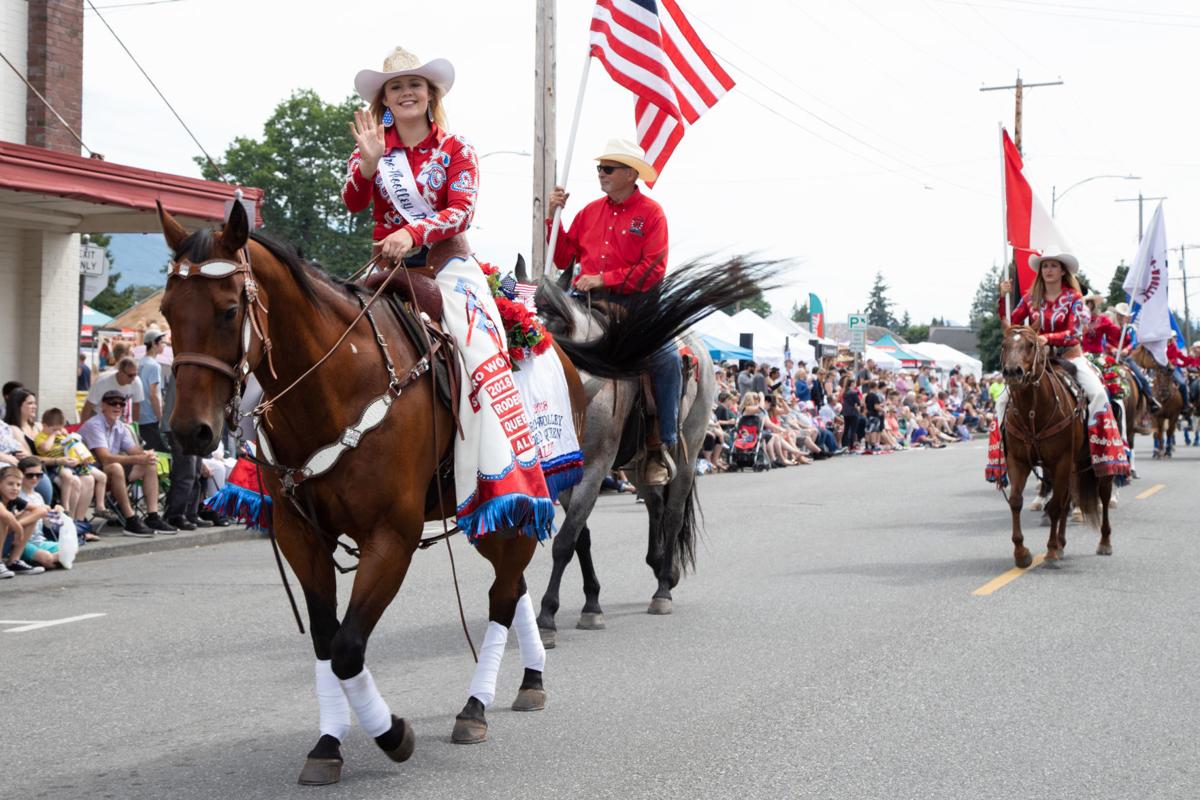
{"x": 115, "y": 544}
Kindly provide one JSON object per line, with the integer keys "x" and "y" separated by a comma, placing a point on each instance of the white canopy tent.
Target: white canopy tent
{"x": 947, "y": 358}
{"x": 770, "y": 343}
{"x": 883, "y": 359}
{"x": 718, "y": 325}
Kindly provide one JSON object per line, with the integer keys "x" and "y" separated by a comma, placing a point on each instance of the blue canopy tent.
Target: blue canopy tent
{"x": 720, "y": 350}
{"x": 906, "y": 358}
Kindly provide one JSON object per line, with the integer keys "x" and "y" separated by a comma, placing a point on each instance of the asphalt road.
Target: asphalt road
{"x": 830, "y": 646}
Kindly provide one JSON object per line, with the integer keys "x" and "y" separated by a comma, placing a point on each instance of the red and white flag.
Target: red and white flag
{"x": 650, "y": 48}
{"x": 1030, "y": 229}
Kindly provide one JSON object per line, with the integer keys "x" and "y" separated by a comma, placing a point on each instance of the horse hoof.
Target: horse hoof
{"x": 1038, "y": 504}
{"x": 1076, "y": 515}
{"x": 590, "y": 622}
{"x": 660, "y": 606}
{"x": 408, "y": 741}
{"x": 549, "y": 637}
{"x": 1052, "y": 561}
{"x": 469, "y": 731}
{"x": 321, "y": 771}
{"x": 1023, "y": 561}
{"x": 1104, "y": 550}
{"x": 530, "y": 700}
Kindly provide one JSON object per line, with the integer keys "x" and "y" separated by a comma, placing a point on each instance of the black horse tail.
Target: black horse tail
{"x": 689, "y": 531}
{"x": 1087, "y": 495}
{"x": 651, "y": 320}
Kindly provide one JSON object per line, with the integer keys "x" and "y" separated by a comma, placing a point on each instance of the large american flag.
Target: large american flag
{"x": 650, "y": 48}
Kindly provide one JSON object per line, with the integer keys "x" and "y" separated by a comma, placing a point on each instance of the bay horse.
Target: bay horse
{"x": 1162, "y": 383}
{"x": 611, "y": 442}
{"x": 1046, "y": 425}
{"x": 231, "y": 295}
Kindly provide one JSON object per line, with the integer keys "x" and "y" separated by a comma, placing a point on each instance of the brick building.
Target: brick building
{"x": 50, "y": 195}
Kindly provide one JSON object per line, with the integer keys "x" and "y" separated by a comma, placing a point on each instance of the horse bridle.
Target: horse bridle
{"x": 1040, "y": 352}
{"x": 253, "y": 324}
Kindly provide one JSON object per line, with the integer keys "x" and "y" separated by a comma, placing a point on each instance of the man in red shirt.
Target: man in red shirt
{"x": 620, "y": 244}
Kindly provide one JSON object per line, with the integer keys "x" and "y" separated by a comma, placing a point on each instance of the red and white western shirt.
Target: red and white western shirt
{"x": 625, "y": 243}
{"x": 447, "y": 174}
{"x": 1060, "y": 320}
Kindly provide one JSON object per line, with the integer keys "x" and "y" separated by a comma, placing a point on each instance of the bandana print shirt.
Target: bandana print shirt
{"x": 447, "y": 174}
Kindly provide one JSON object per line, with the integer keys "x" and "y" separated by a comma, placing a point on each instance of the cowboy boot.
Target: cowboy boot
{"x": 658, "y": 468}
{"x": 1155, "y": 406}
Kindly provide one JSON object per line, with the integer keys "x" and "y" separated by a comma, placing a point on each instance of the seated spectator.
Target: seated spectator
{"x": 124, "y": 461}
{"x": 124, "y": 380}
{"x": 15, "y": 531}
{"x": 56, "y": 443}
{"x": 20, "y": 414}
{"x": 54, "y": 540}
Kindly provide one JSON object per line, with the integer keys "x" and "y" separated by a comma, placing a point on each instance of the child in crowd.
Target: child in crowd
{"x": 55, "y": 442}
{"x": 16, "y": 533}
{"x": 52, "y": 540}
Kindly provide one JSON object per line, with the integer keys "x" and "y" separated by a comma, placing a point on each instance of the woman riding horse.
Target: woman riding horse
{"x": 1054, "y": 306}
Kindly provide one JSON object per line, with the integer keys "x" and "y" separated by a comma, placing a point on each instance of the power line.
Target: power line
{"x": 92, "y": 153}
{"x": 1123, "y": 20}
{"x": 1106, "y": 9}
{"x": 142, "y": 3}
{"x": 211, "y": 162}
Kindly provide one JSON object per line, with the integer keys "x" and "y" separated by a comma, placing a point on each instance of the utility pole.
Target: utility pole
{"x": 1140, "y": 201}
{"x": 544, "y": 156}
{"x": 1187, "y": 314}
{"x": 1020, "y": 86}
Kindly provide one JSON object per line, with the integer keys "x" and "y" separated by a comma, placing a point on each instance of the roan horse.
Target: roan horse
{"x": 610, "y": 442}
{"x": 1046, "y": 425}
{"x": 229, "y": 296}
{"x": 1167, "y": 394}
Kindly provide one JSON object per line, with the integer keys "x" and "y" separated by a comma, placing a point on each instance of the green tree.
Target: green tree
{"x": 987, "y": 296}
{"x": 1116, "y": 288}
{"x": 989, "y": 342}
{"x": 800, "y": 313}
{"x": 300, "y": 164}
{"x": 758, "y": 304}
{"x": 879, "y": 307}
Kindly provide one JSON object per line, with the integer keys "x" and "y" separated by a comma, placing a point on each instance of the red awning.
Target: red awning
{"x": 43, "y": 189}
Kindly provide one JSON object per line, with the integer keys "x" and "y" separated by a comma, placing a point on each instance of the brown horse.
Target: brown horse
{"x": 1046, "y": 425}
{"x": 1167, "y": 394}
{"x": 230, "y": 296}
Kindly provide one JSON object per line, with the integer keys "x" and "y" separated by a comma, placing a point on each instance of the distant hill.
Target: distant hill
{"x": 140, "y": 258}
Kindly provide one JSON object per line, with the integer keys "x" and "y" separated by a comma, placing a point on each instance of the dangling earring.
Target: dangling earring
{"x": 429, "y": 112}
{"x": 388, "y": 119}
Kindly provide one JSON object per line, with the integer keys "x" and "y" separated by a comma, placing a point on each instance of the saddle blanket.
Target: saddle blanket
{"x": 543, "y": 387}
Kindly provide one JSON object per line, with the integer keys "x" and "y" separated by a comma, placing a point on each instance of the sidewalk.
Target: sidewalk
{"x": 115, "y": 543}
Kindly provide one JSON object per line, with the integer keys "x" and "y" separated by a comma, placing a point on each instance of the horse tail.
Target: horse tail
{"x": 653, "y": 319}
{"x": 1087, "y": 495}
{"x": 689, "y": 530}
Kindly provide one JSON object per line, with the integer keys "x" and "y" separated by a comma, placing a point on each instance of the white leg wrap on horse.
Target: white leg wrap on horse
{"x": 373, "y": 714}
{"x": 533, "y": 654}
{"x": 335, "y": 711}
{"x": 483, "y": 684}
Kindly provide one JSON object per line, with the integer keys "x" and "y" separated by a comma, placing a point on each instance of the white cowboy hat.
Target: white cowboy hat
{"x": 1054, "y": 254}
{"x": 1098, "y": 299}
{"x": 438, "y": 72}
{"x": 1121, "y": 308}
{"x": 626, "y": 152}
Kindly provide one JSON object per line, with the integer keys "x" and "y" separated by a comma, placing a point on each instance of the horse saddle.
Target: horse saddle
{"x": 419, "y": 286}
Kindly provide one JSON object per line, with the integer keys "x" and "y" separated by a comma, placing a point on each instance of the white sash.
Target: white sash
{"x": 400, "y": 188}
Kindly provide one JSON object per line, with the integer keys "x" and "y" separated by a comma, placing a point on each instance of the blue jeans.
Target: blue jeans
{"x": 1139, "y": 376}
{"x": 666, "y": 378}
{"x": 1181, "y": 382}
{"x": 826, "y": 440}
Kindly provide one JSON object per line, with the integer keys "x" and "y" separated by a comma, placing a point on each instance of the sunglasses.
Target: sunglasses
{"x": 117, "y": 403}
{"x": 34, "y": 474}
{"x": 608, "y": 169}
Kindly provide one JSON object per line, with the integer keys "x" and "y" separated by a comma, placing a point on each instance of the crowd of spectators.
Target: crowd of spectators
{"x": 808, "y": 414}
{"x": 61, "y": 483}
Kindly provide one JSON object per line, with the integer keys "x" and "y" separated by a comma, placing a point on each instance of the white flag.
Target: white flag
{"x": 1147, "y": 284}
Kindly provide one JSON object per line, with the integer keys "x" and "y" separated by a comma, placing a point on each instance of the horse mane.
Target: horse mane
{"x": 562, "y": 315}
{"x": 198, "y": 246}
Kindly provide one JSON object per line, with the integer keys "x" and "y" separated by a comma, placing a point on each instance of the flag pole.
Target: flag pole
{"x": 1004, "y": 259}
{"x": 567, "y": 162}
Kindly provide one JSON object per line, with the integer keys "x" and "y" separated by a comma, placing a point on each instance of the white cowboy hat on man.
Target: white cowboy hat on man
{"x": 1054, "y": 254}
{"x": 439, "y": 72}
{"x": 626, "y": 152}
{"x": 1121, "y": 308}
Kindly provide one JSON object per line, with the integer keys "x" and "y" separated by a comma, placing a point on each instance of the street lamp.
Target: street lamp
{"x": 1055, "y": 196}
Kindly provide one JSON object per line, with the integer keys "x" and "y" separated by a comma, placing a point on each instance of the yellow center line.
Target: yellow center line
{"x": 1153, "y": 490}
{"x": 1004, "y": 580}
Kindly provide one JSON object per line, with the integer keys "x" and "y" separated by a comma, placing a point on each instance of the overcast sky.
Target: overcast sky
{"x": 856, "y": 140}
